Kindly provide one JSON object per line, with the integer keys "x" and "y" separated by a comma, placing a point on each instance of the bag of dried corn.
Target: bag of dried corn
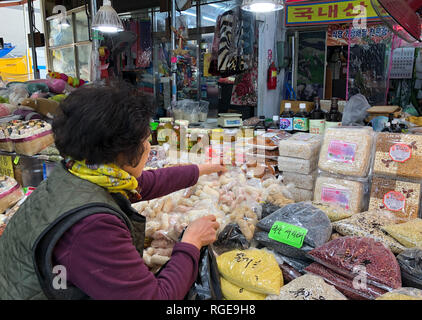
{"x": 402, "y": 294}
{"x": 408, "y": 234}
{"x": 253, "y": 269}
{"x": 233, "y": 292}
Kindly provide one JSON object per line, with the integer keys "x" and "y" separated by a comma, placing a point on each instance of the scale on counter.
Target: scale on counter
{"x": 229, "y": 120}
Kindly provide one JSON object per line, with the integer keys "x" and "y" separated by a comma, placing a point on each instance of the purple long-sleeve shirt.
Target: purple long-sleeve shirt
{"x": 102, "y": 261}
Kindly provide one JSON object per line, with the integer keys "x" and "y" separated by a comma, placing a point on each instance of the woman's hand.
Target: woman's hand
{"x": 201, "y": 232}
{"x": 211, "y": 168}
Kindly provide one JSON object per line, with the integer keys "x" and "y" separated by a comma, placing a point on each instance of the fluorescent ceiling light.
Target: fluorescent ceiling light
{"x": 106, "y": 20}
{"x": 262, "y": 5}
{"x": 204, "y": 17}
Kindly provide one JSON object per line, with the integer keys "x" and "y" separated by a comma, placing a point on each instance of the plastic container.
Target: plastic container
{"x": 398, "y": 154}
{"x": 300, "y": 145}
{"x": 347, "y": 151}
{"x": 347, "y": 194}
{"x": 301, "y": 194}
{"x": 303, "y": 181}
{"x": 402, "y": 198}
{"x": 10, "y": 193}
{"x": 6, "y": 144}
{"x": 302, "y": 166}
{"x": 30, "y": 137}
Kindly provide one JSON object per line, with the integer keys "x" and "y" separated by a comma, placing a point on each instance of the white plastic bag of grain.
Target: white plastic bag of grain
{"x": 308, "y": 287}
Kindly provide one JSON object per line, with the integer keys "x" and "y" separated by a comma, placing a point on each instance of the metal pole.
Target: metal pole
{"x": 198, "y": 48}
{"x": 95, "y": 58}
{"x": 31, "y": 31}
{"x": 173, "y": 59}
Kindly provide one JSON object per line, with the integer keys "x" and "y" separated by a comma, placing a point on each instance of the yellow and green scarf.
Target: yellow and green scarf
{"x": 108, "y": 176}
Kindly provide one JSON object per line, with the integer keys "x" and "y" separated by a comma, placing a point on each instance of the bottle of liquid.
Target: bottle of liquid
{"x": 261, "y": 124}
{"x": 301, "y": 120}
{"x": 275, "y": 125}
{"x": 286, "y": 118}
{"x": 387, "y": 127}
{"x": 317, "y": 119}
{"x": 154, "y": 133}
{"x": 334, "y": 117}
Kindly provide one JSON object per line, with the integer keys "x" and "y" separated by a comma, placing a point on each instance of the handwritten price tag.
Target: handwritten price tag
{"x": 288, "y": 234}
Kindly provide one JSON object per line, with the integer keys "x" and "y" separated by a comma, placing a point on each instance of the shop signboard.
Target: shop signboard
{"x": 338, "y": 35}
{"x": 328, "y": 12}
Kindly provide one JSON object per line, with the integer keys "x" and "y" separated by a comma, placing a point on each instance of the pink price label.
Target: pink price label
{"x": 400, "y": 152}
{"x": 394, "y": 201}
{"x": 173, "y": 59}
{"x": 341, "y": 151}
{"x": 336, "y": 196}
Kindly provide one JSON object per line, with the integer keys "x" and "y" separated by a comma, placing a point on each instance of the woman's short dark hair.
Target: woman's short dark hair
{"x": 98, "y": 122}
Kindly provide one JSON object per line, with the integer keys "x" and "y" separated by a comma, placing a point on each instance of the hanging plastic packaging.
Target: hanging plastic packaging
{"x": 207, "y": 284}
{"x": 410, "y": 261}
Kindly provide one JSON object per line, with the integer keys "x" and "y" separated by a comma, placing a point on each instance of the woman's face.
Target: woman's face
{"x": 137, "y": 171}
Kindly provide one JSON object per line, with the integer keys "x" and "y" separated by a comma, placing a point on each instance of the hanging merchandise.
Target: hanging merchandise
{"x": 245, "y": 90}
{"x": 233, "y": 49}
{"x": 104, "y": 56}
{"x": 272, "y": 77}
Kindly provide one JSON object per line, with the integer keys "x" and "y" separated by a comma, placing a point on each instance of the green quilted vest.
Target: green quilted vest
{"x": 27, "y": 244}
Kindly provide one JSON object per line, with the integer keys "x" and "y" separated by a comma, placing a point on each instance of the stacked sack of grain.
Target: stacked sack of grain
{"x": 298, "y": 161}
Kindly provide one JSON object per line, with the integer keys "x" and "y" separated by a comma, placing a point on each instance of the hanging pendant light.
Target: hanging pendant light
{"x": 106, "y": 20}
{"x": 262, "y": 5}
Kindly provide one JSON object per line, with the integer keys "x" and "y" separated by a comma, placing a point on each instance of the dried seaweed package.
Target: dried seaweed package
{"x": 360, "y": 257}
{"x": 398, "y": 154}
{"x": 308, "y": 287}
{"x": 369, "y": 224}
{"x": 354, "y": 290}
{"x": 302, "y": 215}
{"x": 400, "y": 197}
{"x": 408, "y": 234}
{"x": 402, "y": 294}
{"x": 410, "y": 262}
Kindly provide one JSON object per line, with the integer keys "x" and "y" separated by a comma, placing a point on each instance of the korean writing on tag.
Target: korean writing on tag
{"x": 6, "y": 166}
{"x": 288, "y": 234}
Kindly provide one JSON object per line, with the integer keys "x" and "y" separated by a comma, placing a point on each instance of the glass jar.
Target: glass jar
{"x": 162, "y": 136}
{"x": 181, "y": 129}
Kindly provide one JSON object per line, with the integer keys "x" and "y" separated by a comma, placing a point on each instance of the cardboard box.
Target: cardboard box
{"x": 295, "y": 105}
{"x": 377, "y": 111}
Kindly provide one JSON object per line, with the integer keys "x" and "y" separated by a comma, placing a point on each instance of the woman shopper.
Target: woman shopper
{"x": 77, "y": 236}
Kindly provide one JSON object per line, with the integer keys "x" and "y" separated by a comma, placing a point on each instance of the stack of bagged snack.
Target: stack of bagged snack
{"x": 25, "y": 137}
{"x": 262, "y": 152}
{"x": 344, "y": 168}
{"x": 396, "y": 185}
{"x": 298, "y": 160}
